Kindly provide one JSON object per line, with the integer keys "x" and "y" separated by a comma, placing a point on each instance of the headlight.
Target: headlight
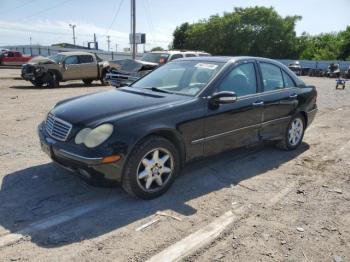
{"x": 38, "y": 69}
{"x": 94, "y": 137}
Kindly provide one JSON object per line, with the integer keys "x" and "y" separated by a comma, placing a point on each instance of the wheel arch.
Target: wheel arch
{"x": 304, "y": 114}
{"x": 170, "y": 134}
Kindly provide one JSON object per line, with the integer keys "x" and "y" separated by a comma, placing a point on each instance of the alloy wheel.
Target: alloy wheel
{"x": 155, "y": 170}
{"x": 295, "y": 132}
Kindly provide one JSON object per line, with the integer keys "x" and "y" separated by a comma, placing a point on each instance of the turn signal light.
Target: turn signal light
{"x": 111, "y": 159}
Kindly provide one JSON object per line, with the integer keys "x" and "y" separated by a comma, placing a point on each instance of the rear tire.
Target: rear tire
{"x": 294, "y": 133}
{"x": 87, "y": 81}
{"x": 151, "y": 168}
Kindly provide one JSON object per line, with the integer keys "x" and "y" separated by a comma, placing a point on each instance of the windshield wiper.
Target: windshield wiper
{"x": 156, "y": 89}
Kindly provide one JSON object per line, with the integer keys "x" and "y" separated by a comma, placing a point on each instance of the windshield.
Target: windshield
{"x": 181, "y": 77}
{"x": 159, "y": 58}
{"x": 57, "y": 58}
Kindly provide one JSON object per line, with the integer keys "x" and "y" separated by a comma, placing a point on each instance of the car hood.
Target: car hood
{"x": 39, "y": 60}
{"x": 96, "y": 108}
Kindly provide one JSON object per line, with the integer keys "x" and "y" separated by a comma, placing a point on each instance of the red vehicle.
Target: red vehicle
{"x": 13, "y": 58}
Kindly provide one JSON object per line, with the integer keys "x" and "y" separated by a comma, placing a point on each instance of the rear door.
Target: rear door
{"x": 236, "y": 124}
{"x": 88, "y": 67}
{"x": 280, "y": 96}
{"x": 72, "y": 69}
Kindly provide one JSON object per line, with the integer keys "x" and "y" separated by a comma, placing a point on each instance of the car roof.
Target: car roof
{"x": 178, "y": 52}
{"x": 75, "y": 53}
{"x": 226, "y": 59}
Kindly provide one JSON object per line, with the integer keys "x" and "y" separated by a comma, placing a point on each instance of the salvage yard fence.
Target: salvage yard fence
{"x": 36, "y": 50}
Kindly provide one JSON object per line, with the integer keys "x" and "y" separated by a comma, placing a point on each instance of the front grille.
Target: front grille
{"x": 57, "y": 128}
{"x": 27, "y": 69}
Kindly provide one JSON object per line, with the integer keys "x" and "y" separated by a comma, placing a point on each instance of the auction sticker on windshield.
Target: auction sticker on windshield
{"x": 206, "y": 66}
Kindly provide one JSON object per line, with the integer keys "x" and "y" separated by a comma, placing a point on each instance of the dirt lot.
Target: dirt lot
{"x": 296, "y": 205}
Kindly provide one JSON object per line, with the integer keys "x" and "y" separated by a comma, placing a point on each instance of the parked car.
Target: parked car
{"x": 126, "y": 71}
{"x": 162, "y": 57}
{"x": 347, "y": 73}
{"x": 64, "y": 66}
{"x": 13, "y": 58}
{"x": 333, "y": 70}
{"x": 316, "y": 72}
{"x": 296, "y": 68}
{"x": 142, "y": 135}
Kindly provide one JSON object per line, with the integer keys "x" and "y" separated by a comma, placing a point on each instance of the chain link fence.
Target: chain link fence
{"x": 36, "y": 50}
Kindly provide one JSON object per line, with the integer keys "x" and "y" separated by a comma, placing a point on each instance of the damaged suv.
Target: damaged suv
{"x": 50, "y": 71}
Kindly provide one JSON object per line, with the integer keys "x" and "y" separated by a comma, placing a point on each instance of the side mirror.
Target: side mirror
{"x": 223, "y": 97}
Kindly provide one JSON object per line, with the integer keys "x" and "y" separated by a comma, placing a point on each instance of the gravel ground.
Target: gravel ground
{"x": 311, "y": 222}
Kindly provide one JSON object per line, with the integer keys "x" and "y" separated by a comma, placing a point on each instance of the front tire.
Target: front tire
{"x": 294, "y": 133}
{"x": 52, "y": 80}
{"x": 102, "y": 79}
{"x": 36, "y": 83}
{"x": 151, "y": 168}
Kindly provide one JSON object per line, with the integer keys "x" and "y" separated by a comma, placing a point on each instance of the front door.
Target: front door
{"x": 236, "y": 124}
{"x": 72, "y": 69}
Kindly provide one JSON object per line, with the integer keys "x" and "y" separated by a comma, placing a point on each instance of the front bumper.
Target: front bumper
{"x": 88, "y": 166}
{"x": 119, "y": 80}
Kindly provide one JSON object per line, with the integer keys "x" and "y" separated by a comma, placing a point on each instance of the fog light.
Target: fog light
{"x": 111, "y": 159}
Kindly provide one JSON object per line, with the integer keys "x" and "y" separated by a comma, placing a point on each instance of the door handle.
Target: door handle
{"x": 258, "y": 103}
{"x": 293, "y": 96}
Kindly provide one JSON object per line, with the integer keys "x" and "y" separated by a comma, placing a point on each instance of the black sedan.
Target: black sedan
{"x": 143, "y": 134}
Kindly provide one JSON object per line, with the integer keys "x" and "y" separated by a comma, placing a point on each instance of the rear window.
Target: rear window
{"x": 84, "y": 59}
{"x": 159, "y": 58}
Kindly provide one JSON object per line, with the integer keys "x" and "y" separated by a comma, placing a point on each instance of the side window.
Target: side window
{"x": 241, "y": 80}
{"x": 190, "y": 55}
{"x": 288, "y": 81}
{"x": 83, "y": 59}
{"x": 71, "y": 60}
{"x": 272, "y": 77}
{"x": 176, "y": 56}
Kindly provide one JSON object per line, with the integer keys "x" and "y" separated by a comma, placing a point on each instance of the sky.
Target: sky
{"x": 47, "y": 22}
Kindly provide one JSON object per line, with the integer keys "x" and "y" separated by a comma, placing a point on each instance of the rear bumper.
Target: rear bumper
{"x": 88, "y": 166}
{"x": 311, "y": 116}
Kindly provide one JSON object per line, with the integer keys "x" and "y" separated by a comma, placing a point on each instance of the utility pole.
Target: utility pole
{"x": 73, "y": 28}
{"x": 108, "y": 42}
{"x": 116, "y": 48}
{"x": 133, "y": 28}
{"x": 30, "y": 46}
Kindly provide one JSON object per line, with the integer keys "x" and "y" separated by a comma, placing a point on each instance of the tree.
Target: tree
{"x": 180, "y": 35}
{"x": 345, "y": 44}
{"x": 158, "y": 48}
{"x": 256, "y": 31}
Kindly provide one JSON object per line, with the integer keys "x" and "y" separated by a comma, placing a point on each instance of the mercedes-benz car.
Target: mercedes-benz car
{"x": 143, "y": 134}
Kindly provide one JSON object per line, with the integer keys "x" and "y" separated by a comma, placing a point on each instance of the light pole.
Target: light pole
{"x": 73, "y": 28}
{"x": 133, "y": 28}
{"x": 108, "y": 42}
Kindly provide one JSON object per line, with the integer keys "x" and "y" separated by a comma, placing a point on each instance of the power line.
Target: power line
{"x": 17, "y": 7}
{"x": 115, "y": 15}
{"x": 68, "y": 34}
{"x": 47, "y": 9}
